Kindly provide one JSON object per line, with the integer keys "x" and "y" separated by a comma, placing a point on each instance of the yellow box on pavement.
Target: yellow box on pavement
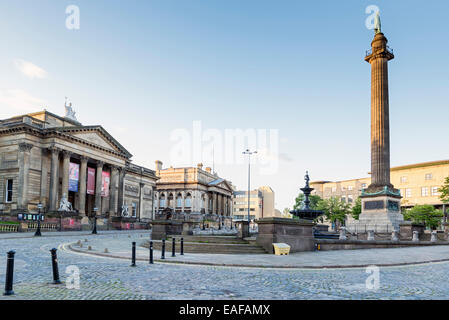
{"x": 281, "y": 249}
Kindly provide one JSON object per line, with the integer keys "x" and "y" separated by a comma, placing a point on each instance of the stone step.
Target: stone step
{"x": 218, "y": 248}
{"x": 210, "y": 239}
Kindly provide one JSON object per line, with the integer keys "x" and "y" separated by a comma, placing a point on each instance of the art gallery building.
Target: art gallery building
{"x": 58, "y": 162}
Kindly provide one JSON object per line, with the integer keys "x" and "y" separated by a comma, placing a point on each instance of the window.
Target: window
{"x": 162, "y": 201}
{"x": 9, "y": 184}
{"x": 188, "y": 201}
{"x": 434, "y": 191}
{"x": 350, "y": 188}
{"x": 428, "y": 176}
{"x": 343, "y": 188}
{"x": 334, "y": 189}
{"x": 350, "y": 199}
{"x": 134, "y": 209}
{"x": 179, "y": 201}
{"x": 343, "y": 199}
{"x": 408, "y": 193}
{"x": 403, "y": 179}
{"x": 424, "y": 191}
{"x": 364, "y": 185}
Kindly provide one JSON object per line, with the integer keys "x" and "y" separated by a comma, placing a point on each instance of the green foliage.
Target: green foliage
{"x": 334, "y": 209}
{"x": 356, "y": 209}
{"x": 444, "y": 191}
{"x": 314, "y": 199}
{"x": 426, "y": 214}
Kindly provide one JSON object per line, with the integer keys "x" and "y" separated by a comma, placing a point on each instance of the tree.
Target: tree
{"x": 314, "y": 199}
{"x": 334, "y": 209}
{"x": 426, "y": 214}
{"x": 444, "y": 191}
{"x": 356, "y": 209}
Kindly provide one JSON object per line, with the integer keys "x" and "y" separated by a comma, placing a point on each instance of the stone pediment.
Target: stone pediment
{"x": 96, "y": 135}
{"x": 221, "y": 183}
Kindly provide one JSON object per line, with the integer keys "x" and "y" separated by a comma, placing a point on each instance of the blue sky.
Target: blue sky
{"x": 143, "y": 69}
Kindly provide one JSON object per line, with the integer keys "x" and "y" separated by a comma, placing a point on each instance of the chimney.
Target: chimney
{"x": 158, "y": 165}
{"x": 209, "y": 169}
{"x": 200, "y": 166}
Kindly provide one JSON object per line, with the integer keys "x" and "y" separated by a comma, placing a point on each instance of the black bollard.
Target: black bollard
{"x": 163, "y": 249}
{"x": 173, "y": 246}
{"x": 133, "y": 256}
{"x": 182, "y": 246}
{"x": 9, "y": 274}
{"x": 54, "y": 263}
{"x": 151, "y": 252}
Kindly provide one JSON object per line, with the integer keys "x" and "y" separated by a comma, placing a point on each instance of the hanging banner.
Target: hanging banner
{"x": 105, "y": 181}
{"x": 90, "y": 181}
{"x": 74, "y": 176}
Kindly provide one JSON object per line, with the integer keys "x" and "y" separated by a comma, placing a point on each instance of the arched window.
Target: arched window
{"x": 170, "y": 200}
{"x": 203, "y": 201}
{"x": 162, "y": 201}
{"x": 188, "y": 201}
{"x": 179, "y": 201}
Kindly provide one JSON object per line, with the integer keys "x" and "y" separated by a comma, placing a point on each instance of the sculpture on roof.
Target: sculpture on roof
{"x": 377, "y": 23}
{"x": 69, "y": 113}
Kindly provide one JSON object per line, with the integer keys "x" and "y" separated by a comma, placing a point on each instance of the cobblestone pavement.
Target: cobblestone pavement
{"x": 107, "y": 278}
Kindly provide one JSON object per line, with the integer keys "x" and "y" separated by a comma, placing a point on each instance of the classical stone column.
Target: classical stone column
{"x": 139, "y": 214}
{"x": 83, "y": 186}
{"x": 24, "y": 172}
{"x": 380, "y": 119}
{"x": 54, "y": 178}
{"x": 214, "y": 203}
{"x": 44, "y": 177}
{"x": 113, "y": 195}
{"x": 183, "y": 201}
{"x": 65, "y": 172}
{"x": 98, "y": 184}
{"x": 121, "y": 186}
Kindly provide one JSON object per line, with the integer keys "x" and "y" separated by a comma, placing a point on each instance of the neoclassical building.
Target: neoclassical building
{"x": 45, "y": 158}
{"x": 192, "y": 190}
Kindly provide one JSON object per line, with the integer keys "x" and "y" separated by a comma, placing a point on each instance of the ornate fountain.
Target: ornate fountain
{"x": 306, "y": 213}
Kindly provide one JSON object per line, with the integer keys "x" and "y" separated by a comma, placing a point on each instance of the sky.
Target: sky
{"x": 152, "y": 72}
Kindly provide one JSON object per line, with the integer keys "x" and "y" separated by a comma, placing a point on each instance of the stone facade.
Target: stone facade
{"x": 192, "y": 190}
{"x": 36, "y": 153}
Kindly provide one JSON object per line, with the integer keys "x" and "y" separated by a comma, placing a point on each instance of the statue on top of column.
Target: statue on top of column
{"x": 69, "y": 113}
{"x": 377, "y": 23}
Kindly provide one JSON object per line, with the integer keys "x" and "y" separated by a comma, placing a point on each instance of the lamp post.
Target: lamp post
{"x": 38, "y": 231}
{"x": 94, "y": 230}
{"x": 249, "y": 153}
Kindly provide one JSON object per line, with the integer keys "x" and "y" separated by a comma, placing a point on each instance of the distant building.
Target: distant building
{"x": 192, "y": 190}
{"x": 418, "y": 184}
{"x": 261, "y": 204}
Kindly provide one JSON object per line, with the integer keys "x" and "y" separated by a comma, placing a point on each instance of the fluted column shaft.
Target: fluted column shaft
{"x": 113, "y": 195}
{"x": 54, "y": 178}
{"x": 24, "y": 172}
{"x": 98, "y": 185}
{"x": 83, "y": 186}
{"x": 65, "y": 173}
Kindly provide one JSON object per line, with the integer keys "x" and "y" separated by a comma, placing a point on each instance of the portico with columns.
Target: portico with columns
{"x": 38, "y": 152}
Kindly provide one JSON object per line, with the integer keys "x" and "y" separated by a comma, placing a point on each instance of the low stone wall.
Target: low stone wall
{"x": 327, "y": 244}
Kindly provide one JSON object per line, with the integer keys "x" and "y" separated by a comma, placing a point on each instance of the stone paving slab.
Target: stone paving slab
{"x": 317, "y": 259}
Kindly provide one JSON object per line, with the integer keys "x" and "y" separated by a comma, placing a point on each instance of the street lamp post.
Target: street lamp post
{"x": 94, "y": 230}
{"x": 249, "y": 153}
{"x": 38, "y": 231}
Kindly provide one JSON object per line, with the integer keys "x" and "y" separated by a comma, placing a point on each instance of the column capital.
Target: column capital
{"x": 100, "y": 164}
{"x": 66, "y": 154}
{"x": 25, "y": 147}
{"x": 142, "y": 184}
{"x": 53, "y": 149}
{"x": 84, "y": 159}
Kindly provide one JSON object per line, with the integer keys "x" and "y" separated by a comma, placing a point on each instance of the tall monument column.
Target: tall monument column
{"x": 380, "y": 201}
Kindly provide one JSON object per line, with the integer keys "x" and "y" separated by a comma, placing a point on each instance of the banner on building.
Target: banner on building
{"x": 74, "y": 176}
{"x": 105, "y": 181}
{"x": 90, "y": 181}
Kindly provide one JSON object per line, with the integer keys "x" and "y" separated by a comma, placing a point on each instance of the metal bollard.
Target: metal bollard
{"x": 163, "y": 249}
{"x": 151, "y": 252}
{"x": 173, "y": 246}
{"x": 9, "y": 273}
{"x": 54, "y": 263}
{"x": 182, "y": 246}
{"x": 133, "y": 256}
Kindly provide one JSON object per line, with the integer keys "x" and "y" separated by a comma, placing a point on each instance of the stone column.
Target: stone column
{"x": 139, "y": 214}
{"x": 98, "y": 184}
{"x": 24, "y": 172}
{"x": 183, "y": 201}
{"x": 380, "y": 119}
{"x": 83, "y": 186}
{"x": 44, "y": 177}
{"x": 214, "y": 203}
{"x": 121, "y": 186}
{"x": 54, "y": 178}
{"x": 65, "y": 173}
{"x": 113, "y": 195}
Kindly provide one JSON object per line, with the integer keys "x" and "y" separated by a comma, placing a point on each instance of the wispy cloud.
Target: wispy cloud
{"x": 29, "y": 69}
{"x": 17, "y": 101}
